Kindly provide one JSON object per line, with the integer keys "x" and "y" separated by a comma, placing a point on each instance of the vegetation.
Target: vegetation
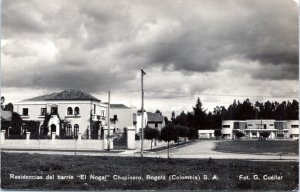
{"x": 199, "y": 118}
{"x": 227, "y": 172}
{"x": 255, "y": 147}
{"x": 218, "y": 133}
{"x": 16, "y": 124}
{"x": 265, "y": 134}
{"x": 239, "y": 134}
{"x": 151, "y": 134}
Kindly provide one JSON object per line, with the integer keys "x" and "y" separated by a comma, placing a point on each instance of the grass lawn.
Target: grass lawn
{"x": 226, "y": 171}
{"x": 258, "y": 146}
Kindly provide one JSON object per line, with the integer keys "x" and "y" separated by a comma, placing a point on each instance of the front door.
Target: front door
{"x": 53, "y": 128}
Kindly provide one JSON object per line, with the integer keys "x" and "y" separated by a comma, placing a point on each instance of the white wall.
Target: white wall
{"x": 83, "y": 119}
{"x": 125, "y": 118}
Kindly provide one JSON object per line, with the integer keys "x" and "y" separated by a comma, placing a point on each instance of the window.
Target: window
{"x": 115, "y": 119}
{"x": 295, "y": 126}
{"x": 43, "y": 111}
{"x": 69, "y": 130}
{"x": 271, "y": 125}
{"x": 76, "y": 111}
{"x": 69, "y": 111}
{"x": 94, "y": 108}
{"x": 250, "y": 125}
{"x": 76, "y": 130}
{"x": 254, "y": 134}
{"x": 280, "y": 125}
{"x": 226, "y": 126}
{"x": 102, "y": 113}
{"x": 25, "y": 112}
{"x": 156, "y": 125}
{"x": 53, "y": 110}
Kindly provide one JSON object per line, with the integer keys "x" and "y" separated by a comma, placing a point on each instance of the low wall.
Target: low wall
{"x": 147, "y": 144}
{"x": 66, "y": 144}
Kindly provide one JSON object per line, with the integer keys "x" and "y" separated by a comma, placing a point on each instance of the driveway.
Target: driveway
{"x": 204, "y": 149}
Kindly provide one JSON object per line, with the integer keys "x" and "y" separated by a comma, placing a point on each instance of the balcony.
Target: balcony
{"x": 98, "y": 118}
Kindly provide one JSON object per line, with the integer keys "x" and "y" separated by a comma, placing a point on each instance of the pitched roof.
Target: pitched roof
{"x": 6, "y": 115}
{"x": 68, "y": 94}
{"x": 119, "y": 106}
{"x": 155, "y": 117}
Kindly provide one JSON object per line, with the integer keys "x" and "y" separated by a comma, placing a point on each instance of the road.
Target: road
{"x": 202, "y": 149}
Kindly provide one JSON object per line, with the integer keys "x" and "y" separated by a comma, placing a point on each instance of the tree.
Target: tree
{"x": 193, "y": 134}
{"x": 16, "y": 123}
{"x": 168, "y": 133}
{"x": 2, "y": 102}
{"x": 199, "y": 116}
{"x": 150, "y": 134}
{"x": 182, "y": 131}
{"x": 239, "y": 134}
{"x": 218, "y": 133}
{"x": 265, "y": 134}
{"x": 45, "y": 124}
{"x": 9, "y": 107}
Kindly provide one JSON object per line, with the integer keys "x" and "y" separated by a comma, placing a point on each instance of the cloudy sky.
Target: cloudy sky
{"x": 215, "y": 50}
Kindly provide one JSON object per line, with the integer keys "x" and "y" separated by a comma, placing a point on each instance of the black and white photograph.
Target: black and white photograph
{"x": 152, "y": 95}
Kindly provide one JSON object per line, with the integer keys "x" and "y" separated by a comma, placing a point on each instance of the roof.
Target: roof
{"x": 6, "y": 115}
{"x": 122, "y": 106}
{"x": 68, "y": 94}
{"x": 155, "y": 117}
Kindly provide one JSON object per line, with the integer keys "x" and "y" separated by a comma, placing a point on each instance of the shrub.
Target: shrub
{"x": 137, "y": 136}
{"x": 239, "y": 134}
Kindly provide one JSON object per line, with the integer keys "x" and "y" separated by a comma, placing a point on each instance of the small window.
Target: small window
{"x": 54, "y": 110}
{"x": 25, "y": 112}
{"x": 156, "y": 125}
{"x": 43, "y": 111}
{"x": 76, "y": 111}
{"x": 102, "y": 113}
{"x": 69, "y": 111}
{"x": 250, "y": 125}
{"x": 69, "y": 130}
{"x": 295, "y": 126}
{"x": 271, "y": 125}
{"x": 226, "y": 126}
{"x": 94, "y": 108}
{"x": 76, "y": 130}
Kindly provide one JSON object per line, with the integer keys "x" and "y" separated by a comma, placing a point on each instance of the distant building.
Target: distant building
{"x": 121, "y": 117}
{"x": 155, "y": 121}
{"x": 206, "y": 134}
{"x": 6, "y": 117}
{"x": 80, "y": 112}
{"x": 278, "y": 129}
{"x": 138, "y": 124}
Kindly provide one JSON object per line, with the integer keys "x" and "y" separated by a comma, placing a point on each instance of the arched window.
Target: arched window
{"x": 76, "y": 111}
{"x": 76, "y": 130}
{"x": 69, "y": 130}
{"x": 69, "y": 111}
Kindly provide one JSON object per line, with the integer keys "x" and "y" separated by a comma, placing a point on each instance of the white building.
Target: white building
{"x": 156, "y": 120}
{"x": 138, "y": 124}
{"x": 80, "y": 112}
{"x": 206, "y": 134}
{"x": 278, "y": 129}
{"x": 121, "y": 117}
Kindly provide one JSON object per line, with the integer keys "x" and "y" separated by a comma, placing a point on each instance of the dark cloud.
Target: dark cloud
{"x": 102, "y": 44}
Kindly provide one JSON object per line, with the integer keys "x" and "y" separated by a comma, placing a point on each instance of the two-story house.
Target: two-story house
{"x": 68, "y": 112}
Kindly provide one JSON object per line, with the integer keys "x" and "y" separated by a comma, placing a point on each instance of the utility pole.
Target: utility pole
{"x": 108, "y": 122}
{"x": 142, "y": 89}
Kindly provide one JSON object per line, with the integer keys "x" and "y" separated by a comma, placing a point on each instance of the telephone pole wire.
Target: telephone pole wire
{"x": 142, "y": 89}
{"x": 108, "y": 122}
